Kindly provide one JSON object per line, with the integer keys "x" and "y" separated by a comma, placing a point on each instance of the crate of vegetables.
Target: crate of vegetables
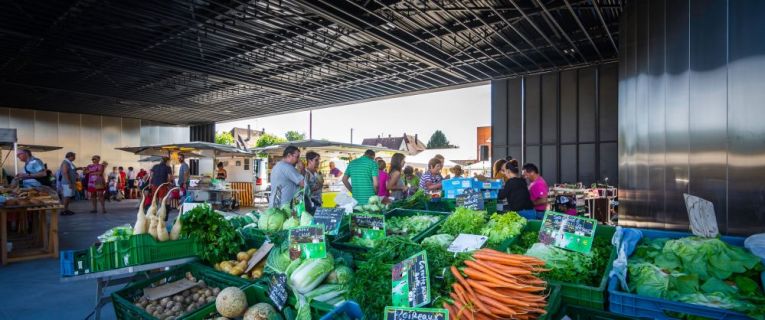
{"x": 143, "y": 249}
{"x": 449, "y": 205}
{"x": 413, "y": 224}
{"x": 130, "y": 302}
{"x": 258, "y": 306}
{"x": 583, "y": 277}
{"x": 675, "y": 275}
{"x": 499, "y": 228}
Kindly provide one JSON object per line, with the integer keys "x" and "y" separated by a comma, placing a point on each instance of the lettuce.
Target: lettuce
{"x": 443, "y": 240}
{"x": 503, "y": 226}
{"x": 464, "y": 220}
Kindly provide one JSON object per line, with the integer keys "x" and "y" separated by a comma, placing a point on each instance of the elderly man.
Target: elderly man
{"x": 34, "y": 170}
{"x": 67, "y": 179}
{"x": 285, "y": 178}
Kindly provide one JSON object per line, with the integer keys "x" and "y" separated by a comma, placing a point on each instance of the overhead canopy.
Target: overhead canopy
{"x": 325, "y": 148}
{"x": 30, "y": 147}
{"x": 187, "y": 62}
{"x": 195, "y": 148}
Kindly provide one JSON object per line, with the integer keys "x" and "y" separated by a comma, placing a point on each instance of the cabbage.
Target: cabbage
{"x": 326, "y": 292}
{"x": 340, "y": 275}
{"x": 443, "y": 240}
{"x": 310, "y": 274}
{"x": 271, "y": 220}
{"x": 279, "y": 260}
{"x": 290, "y": 223}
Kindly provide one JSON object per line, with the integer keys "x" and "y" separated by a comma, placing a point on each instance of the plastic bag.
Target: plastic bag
{"x": 756, "y": 244}
{"x": 625, "y": 240}
{"x": 122, "y": 232}
{"x": 345, "y": 201}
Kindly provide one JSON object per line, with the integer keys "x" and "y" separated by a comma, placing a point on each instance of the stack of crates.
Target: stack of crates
{"x": 457, "y": 186}
{"x": 490, "y": 188}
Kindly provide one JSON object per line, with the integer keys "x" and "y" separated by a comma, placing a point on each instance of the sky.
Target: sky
{"x": 456, "y": 112}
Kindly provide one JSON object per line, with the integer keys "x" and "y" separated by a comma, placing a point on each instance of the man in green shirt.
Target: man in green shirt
{"x": 363, "y": 174}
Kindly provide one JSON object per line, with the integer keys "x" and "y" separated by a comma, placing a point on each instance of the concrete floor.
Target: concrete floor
{"x": 32, "y": 290}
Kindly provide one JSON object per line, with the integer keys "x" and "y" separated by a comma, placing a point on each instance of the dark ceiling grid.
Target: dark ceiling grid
{"x": 195, "y": 61}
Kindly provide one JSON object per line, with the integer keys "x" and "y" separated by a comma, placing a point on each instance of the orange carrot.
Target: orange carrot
{"x": 461, "y": 280}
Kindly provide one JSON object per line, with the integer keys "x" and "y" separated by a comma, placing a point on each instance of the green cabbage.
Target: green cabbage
{"x": 310, "y": 274}
{"x": 271, "y": 220}
{"x": 342, "y": 274}
{"x": 306, "y": 219}
{"x": 279, "y": 259}
{"x": 290, "y": 223}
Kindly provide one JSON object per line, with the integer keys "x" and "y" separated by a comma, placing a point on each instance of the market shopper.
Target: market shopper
{"x": 361, "y": 177}
{"x": 113, "y": 182}
{"x": 96, "y": 182}
{"x": 35, "y": 173}
{"x": 516, "y": 192}
{"x": 431, "y": 179}
{"x": 537, "y": 188}
{"x": 142, "y": 178}
{"x": 67, "y": 180}
{"x": 456, "y": 171}
{"x": 184, "y": 175}
{"x": 131, "y": 186}
{"x": 496, "y": 169}
{"x": 160, "y": 174}
{"x": 221, "y": 173}
{"x": 314, "y": 181}
{"x": 122, "y": 183}
{"x": 411, "y": 180}
{"x": 334, "y": 171}
{"x": 396, "y": 184}
{"x": 382, "y": 178}
{"x": 285, "y": 178}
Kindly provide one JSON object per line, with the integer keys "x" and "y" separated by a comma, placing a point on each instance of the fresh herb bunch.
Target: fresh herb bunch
{"x": 219, "y": 239}
{"x": 409, "y": 226}
{"x": 464, "y": 220}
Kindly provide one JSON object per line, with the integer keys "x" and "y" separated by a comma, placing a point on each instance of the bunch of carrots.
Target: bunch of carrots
{"x": 498, "y": 285}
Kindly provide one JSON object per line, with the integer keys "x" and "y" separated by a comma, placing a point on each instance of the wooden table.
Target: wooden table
{"x": 43, "y": 244}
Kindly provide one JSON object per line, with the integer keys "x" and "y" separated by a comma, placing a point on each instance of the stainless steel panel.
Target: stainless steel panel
{"x": 628, "y": 214}
{"x": 550, "y": 108}
{"x": 533, "y": 155}
{"x": 90, "y": 137}
{"x": 498, "y": 152}
{"x": 587, "y": 162}
{"x": 608, "y": 108}
{"x": 568, "y": 111}
{"x": 586, "y": 109}
{"x": 656, "y": 100}
{"x": 499, "y": 114}
{"x": 746, "y": 133}
{"x": 24, "y": 122}
{"x": 568, "y": 164}
{"x": 642, "y": 112}
{"x": 533, "y": 111}
{"x": 609, "y": 163}
{"x": 677, "y": 113}
{"x": 515, "y": 152}
{"x": 708, "y": 100}
{"x": 550, "y": 163}
{"x": 514, "y": 108}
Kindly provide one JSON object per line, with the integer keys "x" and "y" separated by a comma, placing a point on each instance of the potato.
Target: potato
{"x": 186, "y": 293}
{"x": 209, "y": 292}
{"x": 201, "y": 299}
{"x": 156, "y": 314}
{"x": 202, "y": 284}
{"x": 210, "y": 299}
{"x": 176, "y": 308}
{"x": 216, "y": 267}
{"x": 164, "y": 301}
{"x": 191, "y": 307}
{"x": 242, "y": 256}
{"x": 242, "y": 265}
{"x": 236, "y": 271}
{"x": 216, "y": 291}
{"x": 178, "y": 298}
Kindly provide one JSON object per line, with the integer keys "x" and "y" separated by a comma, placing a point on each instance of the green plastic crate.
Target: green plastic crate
{"x": 123, "y": 299}
{"x": 143, "y": 249}
{"x": 449, "y": 205}
{"x": 581, "y": 313}
{"x": 577, "y": 294}
{"x": 82, "y": 262}
{"x": 102, "y": 257}
{"x": 553, "y": 303}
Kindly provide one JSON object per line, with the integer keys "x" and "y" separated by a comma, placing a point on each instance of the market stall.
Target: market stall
{"x": 237, "y": 190}
{"x": 35, "y": 220}
{"x": 329, "y": 151}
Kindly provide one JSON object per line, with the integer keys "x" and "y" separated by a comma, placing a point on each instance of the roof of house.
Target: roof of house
{"x": 411, "y": 144}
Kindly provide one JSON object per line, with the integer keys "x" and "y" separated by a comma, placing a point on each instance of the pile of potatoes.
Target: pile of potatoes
{"x": 238, "y": 266}
{"x": 170, "y": 308}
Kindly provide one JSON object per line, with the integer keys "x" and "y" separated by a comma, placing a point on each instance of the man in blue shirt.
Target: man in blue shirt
{"x": 34, "y": 170}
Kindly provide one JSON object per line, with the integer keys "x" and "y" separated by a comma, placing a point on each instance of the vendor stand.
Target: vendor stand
{"x": 36, "y": 236}
{"x": 205, "y": 189}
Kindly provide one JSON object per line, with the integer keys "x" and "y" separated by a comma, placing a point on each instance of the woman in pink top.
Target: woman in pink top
{"x": 537, "y": 188}
{"x": 382, "y": 178}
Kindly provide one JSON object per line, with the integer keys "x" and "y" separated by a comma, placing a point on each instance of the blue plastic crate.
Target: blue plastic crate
{"x": 490, "y": 194}
{"x": 350, "y": 308}
{"x": 458, "y": 183}
{"x": 66, "y": 260}
{"x": 634, "y": 305}
{"x": 491, "y": 184}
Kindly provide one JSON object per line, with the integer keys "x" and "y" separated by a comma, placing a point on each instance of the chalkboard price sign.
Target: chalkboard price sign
{"x": 471, "y": 199}
{"x": 277, "y": 290}
{"x": 411, "y": 283}
{"x": 405, "y": 313}
{"x": 330, "y": 218}
{"x": 368, "y": 221}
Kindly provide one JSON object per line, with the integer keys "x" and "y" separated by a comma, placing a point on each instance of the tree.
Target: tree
{"x": 438, "y": 141}
{"x": 294, "y": 135}
{"x": 224, "y": 138}
{"x": 268, "y": 139}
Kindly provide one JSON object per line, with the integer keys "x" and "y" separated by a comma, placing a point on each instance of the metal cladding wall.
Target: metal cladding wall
{"x": 691, "y": 103}
{"x": 564, "y": 122}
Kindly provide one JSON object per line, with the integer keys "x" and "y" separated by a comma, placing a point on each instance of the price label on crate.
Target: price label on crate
{"x": 277, "y": 290}
{"x": 330, "y": 218}
{"x": 467, "y": 243}
{"x": 406, "y": 313}
{"x": 307, "y": 242}
{"x": 471, "y": 199}
{"x": 568, "y": 232}
{"x": 411, "y": 283}
{"x": 368, "y": 226}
